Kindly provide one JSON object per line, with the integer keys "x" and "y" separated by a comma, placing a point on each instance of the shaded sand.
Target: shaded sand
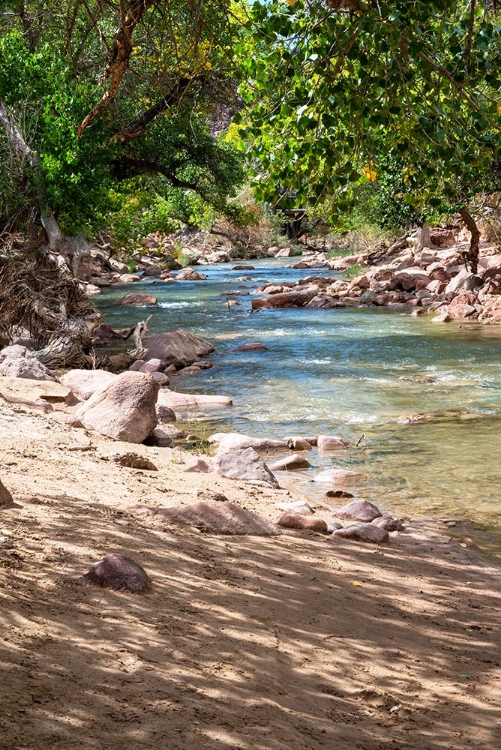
{"x": 298, "y": 641}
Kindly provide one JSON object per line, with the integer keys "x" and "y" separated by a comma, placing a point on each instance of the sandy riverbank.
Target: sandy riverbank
{"x": 297, "y": 641}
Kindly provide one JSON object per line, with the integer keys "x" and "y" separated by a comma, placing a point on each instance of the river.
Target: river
{"x": 349, "y": 372}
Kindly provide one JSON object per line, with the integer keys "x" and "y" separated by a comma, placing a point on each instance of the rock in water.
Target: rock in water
{"x": 289, "y": 463}
{"x": 364, "y": 532}
{"x": 125, "y": 409}
{"x": 6, "y": 500}
{"x": 231, "y": 441}
{"x": 180, "y": 348}
{"x": 331, "y": 442}
{"x": 119, "y": 573}
{"x": 359, "y": 510}
{"x": 292, "y": 520}
{"x": 246, "y": 465}
{"x": 216, "y": 517}
{"x": 340, "y": 476}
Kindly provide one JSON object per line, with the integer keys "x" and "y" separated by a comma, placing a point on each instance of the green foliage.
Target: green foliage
{"x": 353, "y": 271}
{"x": 51, "y": 73}
{"x": 337, "y": 99}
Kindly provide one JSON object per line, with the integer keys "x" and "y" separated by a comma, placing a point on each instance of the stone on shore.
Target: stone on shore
{"x": 119, "y": 573}
{"x": 232, "y": 441}
{"x": 38, "y": 392}
{"x": 213, "y": 516}
{"x": 6, "y": 499}
{"x": 198, "y": 466}
{"x": 364, "y": 532}
{"x": 17, "y": 361}
{"x": 290, "y": 463}
{"x": 86, "y": 382}
{"x": 388, "y": 523}
{"x": 245, "y": 465}
{"x": 359, "y": 510}
{"x": 291, "y": 520}
{"x": 179, "y": 348}
{"x": 123, "y": 410}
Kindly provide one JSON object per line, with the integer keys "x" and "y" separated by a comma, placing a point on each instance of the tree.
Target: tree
{"x": 334, "y": 90}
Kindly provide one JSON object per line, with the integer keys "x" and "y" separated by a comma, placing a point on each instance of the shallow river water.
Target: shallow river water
{"x": 346, "y": 372}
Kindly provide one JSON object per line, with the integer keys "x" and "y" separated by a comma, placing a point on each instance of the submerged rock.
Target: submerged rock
{"x": 340, "y": 476}
{"x": 331, "y": 442}
{"x": 290, "y": 463}
{"x": 232, "y": 441}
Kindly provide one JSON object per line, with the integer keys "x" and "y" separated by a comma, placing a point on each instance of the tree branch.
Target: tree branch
{"x": 126, "y": 166}
{"x": 131, "y": 16}
{"x": 137, "y": 126}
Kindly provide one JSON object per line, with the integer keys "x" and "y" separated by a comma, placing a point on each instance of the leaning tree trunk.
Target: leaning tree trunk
{"x": 470, "y": 256}
{"x": 33, "y": 171}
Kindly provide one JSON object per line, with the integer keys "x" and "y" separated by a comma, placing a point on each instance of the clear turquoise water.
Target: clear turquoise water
{"x": 338, "y": 371}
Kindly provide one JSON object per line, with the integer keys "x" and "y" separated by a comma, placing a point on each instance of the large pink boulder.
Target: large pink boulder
{"x": 125, "y": 409}
{"x": 359, "y": 510}
{"x": 331, "y": 442}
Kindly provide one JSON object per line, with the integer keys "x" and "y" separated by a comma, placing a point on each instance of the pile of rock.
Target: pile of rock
{"x": 430, "y": 280}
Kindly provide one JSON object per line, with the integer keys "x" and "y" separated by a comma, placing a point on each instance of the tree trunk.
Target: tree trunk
{"x": 470, "y": 257}
{"x": 37, "y": 180}
{"x": 423, "y": 237}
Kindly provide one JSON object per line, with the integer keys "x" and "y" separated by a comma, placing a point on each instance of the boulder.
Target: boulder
{"x": 85, "y": 382}
{"x": 243, "y": 267}
{"x": 364, "y": 532}
{"x": 232, "y": 441}
{"x": 291, "y": 520}
{"x": 123, "y": 410}
{"x": 189, "y": 274}
{"x": 245, "y": 465}
{"x": 19, "y": 362}
{"x": 340, "y": 476}
{"x": 180, "y": 348}
{"x": 359, "y": 510}
{"x": 128, "y": 278}
{"x": 213, "y": 516}
{"x": 331, "y": 442}
{"x": 136, "y": 299}
{"x": 6, "y": 499}
{"x": 290, "y": 463}
{"x": 104, "y": 333}
{"x": 119, "y": 573}
{"x": 464, "y": 281}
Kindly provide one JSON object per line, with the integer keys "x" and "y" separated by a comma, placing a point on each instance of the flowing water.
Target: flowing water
{"x": 349, "y": 372}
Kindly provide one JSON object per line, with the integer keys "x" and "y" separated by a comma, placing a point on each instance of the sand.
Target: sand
{"x": 296, "y": 641}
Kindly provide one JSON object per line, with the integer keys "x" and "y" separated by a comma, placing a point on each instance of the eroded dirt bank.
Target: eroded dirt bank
{"x": 296, "y": 641}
